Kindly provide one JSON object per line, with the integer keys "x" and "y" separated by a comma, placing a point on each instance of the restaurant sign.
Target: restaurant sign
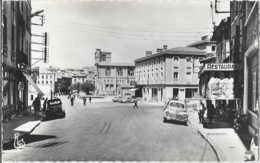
{"x": 220, "y": 67}
{"x": 223, "y": 66}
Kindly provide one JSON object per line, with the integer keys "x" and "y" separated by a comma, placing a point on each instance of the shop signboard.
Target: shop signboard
{"x": 220, "y": 67}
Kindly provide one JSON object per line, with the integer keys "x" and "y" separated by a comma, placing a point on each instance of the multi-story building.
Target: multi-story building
{"x": 169, "y": 73}
{"x": 112, "y": 78}
{"x": 251, "y": 59}
{"x": 206, "y": 45}
{"x": 217, "y": 75}
{"x": 45, "y": 81}
{"x": 16, "y": 56}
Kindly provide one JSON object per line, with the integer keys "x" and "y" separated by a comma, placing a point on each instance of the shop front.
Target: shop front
{"x": 217, "y": 85}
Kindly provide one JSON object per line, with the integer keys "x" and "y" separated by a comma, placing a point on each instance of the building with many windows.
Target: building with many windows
{"x": 169, "y": 73}
{"x": 16, "y": 56}
{"x": 112, "y": 78}
{"x": 45, "y": 80}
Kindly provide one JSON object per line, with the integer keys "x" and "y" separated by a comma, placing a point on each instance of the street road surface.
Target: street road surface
{"x": 107, "y": 131}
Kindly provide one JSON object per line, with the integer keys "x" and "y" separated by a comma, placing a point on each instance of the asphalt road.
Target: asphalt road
{"x": 107, "y": 131}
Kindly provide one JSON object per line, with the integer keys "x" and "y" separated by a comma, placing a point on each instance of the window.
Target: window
{"x": 188, "y": 77}
{"x": 175, "y": 76}
{"x": 175, "y": 61}
{"x": 46, "y": 82}
{"x": 108, "y": 72}
{"x": 38, "y": 82}
{"x": 190, "y": 93}
{"x": 120, "y": 72}
{"x": 103, "y": 57}
{"x": 130, "y": 72}
{"x": 46, "y": 76}
{"x": 42, "y": 82}
{"x": 74, "y": 80}
{"x": 253, "y": 80}
{"x": 213, "y": 48}
{"x": 42, "y": 76}
{"x": 13, "y": 37}
{"x": 50, "y": 82}
{"x": 5, "y": 30}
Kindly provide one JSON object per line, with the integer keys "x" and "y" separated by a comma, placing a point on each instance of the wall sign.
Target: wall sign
{"x": 223, "y": 66}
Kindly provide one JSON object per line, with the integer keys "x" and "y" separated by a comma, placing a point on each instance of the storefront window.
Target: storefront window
{"x": 253, "y": 78}
{"x": 11, "y": 92}
{"x": 5, "y": 92}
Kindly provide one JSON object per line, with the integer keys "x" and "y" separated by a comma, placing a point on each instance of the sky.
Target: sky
{"x": 126, "y": 28}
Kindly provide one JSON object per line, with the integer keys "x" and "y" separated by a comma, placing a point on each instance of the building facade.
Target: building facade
{"x": 16, "y": 56}
{"x": 112, "y": 78}
{"x": 169, "y": 73}
{"x": 251, "y": 60}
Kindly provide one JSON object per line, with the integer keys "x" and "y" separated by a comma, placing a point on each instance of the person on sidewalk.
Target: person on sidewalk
{"x": 135, "y": 106}
{"x": 37, "y": 105}
{"x": 84, "y": 100}
{"x": 201, "y": 111}
{"x": 211, "y": 110}
{"x": 89, "y": 99}
{"x": 44, "y": 105}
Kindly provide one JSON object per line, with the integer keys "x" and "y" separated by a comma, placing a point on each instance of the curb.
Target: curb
{"x": 219, "y": 154}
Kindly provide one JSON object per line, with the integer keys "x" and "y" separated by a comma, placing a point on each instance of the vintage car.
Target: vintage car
{"x": 175, "y": 110}
{"x": 55, "y": 109}
{"x": 115, "y": 99}
{"x": 128, "y": 99}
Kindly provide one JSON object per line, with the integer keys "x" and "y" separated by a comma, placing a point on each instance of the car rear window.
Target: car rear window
{"x": 178, "y": 105}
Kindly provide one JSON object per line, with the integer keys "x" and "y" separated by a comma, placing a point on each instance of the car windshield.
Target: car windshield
{"x": 178, "y": 105}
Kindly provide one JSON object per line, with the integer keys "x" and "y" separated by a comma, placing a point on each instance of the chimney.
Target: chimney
{"x": 159, "y": 50}
{"x": 148, "y": 53}
{"x": 164, "y": 47}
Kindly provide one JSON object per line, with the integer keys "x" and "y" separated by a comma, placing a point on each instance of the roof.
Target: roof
{"x": 45, "y": 71}
{"x": 175, "y": 51}
{"x": 116, "y": 64}
{"x": 208, "y": 60}
{"x": 200, "y": 43}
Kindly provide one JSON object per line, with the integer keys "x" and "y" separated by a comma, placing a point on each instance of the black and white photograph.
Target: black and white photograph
{"x": 130, "y": 80}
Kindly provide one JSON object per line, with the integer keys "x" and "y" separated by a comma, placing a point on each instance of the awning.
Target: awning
{"x": 30, "y": 80}
{"x": 133, "y": 89}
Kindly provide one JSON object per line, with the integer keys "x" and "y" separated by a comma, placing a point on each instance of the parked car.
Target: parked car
{"x": 175, "y": 110}
{"x": 128, "y": 99}
{"x": 121, "y": 99}
{"x": 115, "y": 99}
{"x": 55, "y": 109}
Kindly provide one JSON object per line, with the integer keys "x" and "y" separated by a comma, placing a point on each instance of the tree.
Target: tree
{"x": 88, "y": 86}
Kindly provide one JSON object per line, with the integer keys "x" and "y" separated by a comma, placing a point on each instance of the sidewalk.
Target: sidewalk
{"x": 9, "y": 126}
{"x": 222, "y": 138}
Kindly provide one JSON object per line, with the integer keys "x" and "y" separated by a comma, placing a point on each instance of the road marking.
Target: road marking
{"x": 105, "y": 124}
{"x": 108, "y": 128}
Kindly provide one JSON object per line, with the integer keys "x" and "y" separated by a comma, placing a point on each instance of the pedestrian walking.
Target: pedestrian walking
{"x": 37, "y": 105}
{"x": 72, "y": 100}
{"x": 135, "y": 106}
{"x": 211, "y": 110}
{"x": 201, "y": 111}
{"x": 45, "y": 105}
{"x": 84, "y": 100}
{"x": 89, "y": 99}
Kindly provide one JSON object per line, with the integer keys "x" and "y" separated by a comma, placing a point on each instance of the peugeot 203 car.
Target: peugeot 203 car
{"x": 55, "y": 109}
{"x": 175, "y": 110}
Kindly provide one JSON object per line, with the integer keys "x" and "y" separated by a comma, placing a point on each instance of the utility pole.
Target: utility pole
{"x": 1, "y": 79}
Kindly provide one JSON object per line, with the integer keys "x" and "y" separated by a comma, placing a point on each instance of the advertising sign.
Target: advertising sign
{"x": 223, "y": 66}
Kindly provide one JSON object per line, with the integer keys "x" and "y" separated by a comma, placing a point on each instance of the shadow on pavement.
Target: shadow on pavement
{"x": 176, "y": 122}
{"x": 246, "y": 138}
{"x": 50, "y": 119}
{"x": 27, "y": 139}
{"x": 53, "y": 144}
{"x": 216, "y": 123}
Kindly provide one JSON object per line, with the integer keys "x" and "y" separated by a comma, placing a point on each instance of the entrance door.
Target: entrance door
{"x": 175, "y": 93}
